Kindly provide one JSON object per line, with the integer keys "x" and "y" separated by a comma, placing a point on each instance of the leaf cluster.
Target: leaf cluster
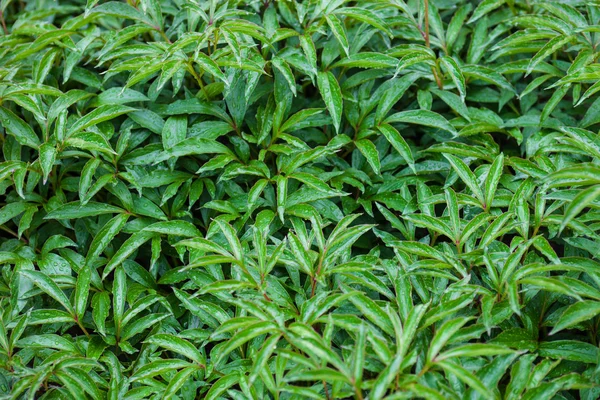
{"x": 321, "y": 199}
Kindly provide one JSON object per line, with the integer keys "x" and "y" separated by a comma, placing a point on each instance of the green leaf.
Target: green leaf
{"x": 398, "y": 142}
{"x": 82, "y": 289}
{"x": 465, "y": 376}
{"x": 207, "y": 64}
{"x": 492, "y": 180}
{"x": 453, "y": 213}
{"x": 551, "y": 285}
{"x": 549, "y": 48}
{"x": 119, "y": 292}
{"x": 48, "y": 286}
{"x": 15, "y": 126}
{"x": 338, "y": 30}
{"x": 487, "y": 75}
{"x": 90, "y": 141}
{"x": 421, "y": 117}
{"x": 364, "y": 15}
{"x": 148, "y": 119}
{"x": 286, "y": 72}
{"x": 221, "y": 385}
{"x": 367, "y": 60}
{"x": 47, "y": 158}
{"x": 104, "y": 237}
{"x": 117, "y": 95}
{"x": 174, "y": 228}
{"x": 454, "y": 102}
{"x": 282, "y": 193}
{"x": 177, "y": 382}
{"x": 579, "y": 312}
{"x": 100, "y": 310}
{"x": 128, "y": 247}
{"x": 392, "y": 95}
{"x": 231, "y": 235}
{"x": 323, "y": 374}
{"x": 485, "y": 7}
{"x": 244, "y": 335}
{"x": 474, "y": 350}
{"x": 385, "y": 378}
{"x": 98, "y": 115}
{"x": 118, "y": 9}
{"x": 177, "y": 345}
{"x": 372, "y": 312}
{"x": 158, "y": 367}
{"x": 557, "y": 96}
{"x": 76, "y": 210}
{"x": 10, "y": 211}
{"x": 443, "y": 335}
{"x": 332, "y": 96}
{"x": 467, "y": 177}
{"x": 65, "y": 101}
{"x": 432, "y": 223}
{"x": 455, "y": 74}
{"x": 570, "y": 350}
{"x": 584, "y": 137}
{"x": 579, "y": 203}
{"x": 310, "y": 52}
{"x": 174, "y": 131}
{"x": 298, "y": 120}
{"x": 368, "y": 149}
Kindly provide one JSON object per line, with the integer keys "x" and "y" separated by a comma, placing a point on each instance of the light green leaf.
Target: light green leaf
{"x": 174, "y": 131}
{"x": 467, "y": 176}
{"x": 104, "y": 237}
{"x": 455, "y": 74}
{"x": 339, "y": 32}
{"x": 98, "y": 115}
{"x": 332, "y": 96}
{"x": 128, "y": 247}
{"x": 367, "y": 60}
{"x": 465, "y": 376}
{"x": 549, "y": 48}
{"x": 76, "y": 210}
{"x": 47, "y": 158}
{"x": 177, "y": 345}
{"x": 398, "y": 142}
{"x": 82, "y": 289}
{"x": 421, "y": 117}
{"x": 364, "y": 15}
{"x": 286, "y": 72}
{"x": 49, "y": 287}
{"x": 579, "y": 203}
{"x": 15, "y": 126}
{"x": 11, "y": 210}
{"x": 492, "y": 180}
{"x": 579, "y": 312}
{"x": 368, "y": 149}
{"x": 485, "y": 7}
{"x": 207, "y": 64}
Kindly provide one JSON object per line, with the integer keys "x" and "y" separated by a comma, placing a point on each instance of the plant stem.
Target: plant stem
{"x": 81, "y": 326}
{"x": 438, "y": 81}
{"x": 317, "y": 273}
{"x": 3, "y": 22}
{"x": 358, "y": 393}
{"x": 326, "y": 391}
{"x": 198, "y": 79}
{"x": 163, "y": 35}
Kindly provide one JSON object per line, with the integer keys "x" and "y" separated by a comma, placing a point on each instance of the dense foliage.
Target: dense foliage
{"x": 299, "y": 199}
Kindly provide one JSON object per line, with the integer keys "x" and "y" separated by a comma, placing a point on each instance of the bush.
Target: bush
{"x": 299, "y": 199}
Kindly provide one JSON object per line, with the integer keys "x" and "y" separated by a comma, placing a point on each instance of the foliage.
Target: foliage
{"x": 299, "y": 199}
